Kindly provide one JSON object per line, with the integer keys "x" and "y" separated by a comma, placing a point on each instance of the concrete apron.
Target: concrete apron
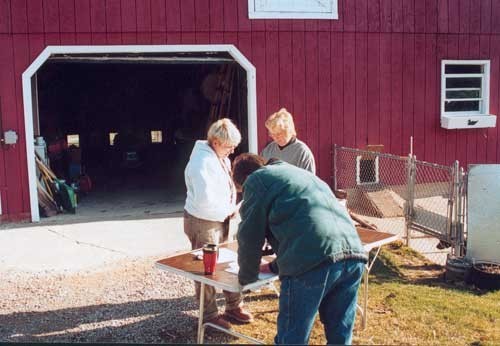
{"x": 82, "y": 246}
{"x": 86, "y": 246}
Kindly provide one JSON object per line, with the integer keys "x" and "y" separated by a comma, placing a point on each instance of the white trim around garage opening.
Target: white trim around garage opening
{"x": 30, "y": 73}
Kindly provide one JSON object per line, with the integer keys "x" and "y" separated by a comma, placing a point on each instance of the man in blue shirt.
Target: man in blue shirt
{"x": 319, "y": 256}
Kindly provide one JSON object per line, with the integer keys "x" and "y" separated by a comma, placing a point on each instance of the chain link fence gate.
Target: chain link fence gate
{"x": 420, "y": 201}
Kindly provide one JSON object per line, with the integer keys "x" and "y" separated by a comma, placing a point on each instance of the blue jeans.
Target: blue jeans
{"x": 331, "y": 289}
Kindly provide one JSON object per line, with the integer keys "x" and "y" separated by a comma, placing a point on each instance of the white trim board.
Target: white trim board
{"x": 50, "y": 50}
{"x": 296, "y": 9}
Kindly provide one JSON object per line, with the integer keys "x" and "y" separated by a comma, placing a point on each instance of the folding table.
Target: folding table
{"x": 187, "y": 265}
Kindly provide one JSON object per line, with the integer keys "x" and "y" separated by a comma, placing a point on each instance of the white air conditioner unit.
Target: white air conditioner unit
{"x": 483, "y": 218}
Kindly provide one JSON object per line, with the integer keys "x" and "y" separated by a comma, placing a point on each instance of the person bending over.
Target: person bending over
{"x": 319, "y": 256}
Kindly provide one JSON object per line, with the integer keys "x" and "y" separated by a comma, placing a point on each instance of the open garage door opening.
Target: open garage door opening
{"x": 128, "y": 122}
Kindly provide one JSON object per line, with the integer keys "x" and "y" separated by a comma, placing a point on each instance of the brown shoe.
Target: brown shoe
{"x": 220, "y": 321}
{"x": 239, "y": 314}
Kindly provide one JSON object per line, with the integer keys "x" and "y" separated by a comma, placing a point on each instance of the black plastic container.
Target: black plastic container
{"x": 484, "y": 279}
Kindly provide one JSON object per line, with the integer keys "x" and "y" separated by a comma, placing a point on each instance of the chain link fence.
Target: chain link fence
{"x": 418, "y": 200}
{"x": 375, "y": 184}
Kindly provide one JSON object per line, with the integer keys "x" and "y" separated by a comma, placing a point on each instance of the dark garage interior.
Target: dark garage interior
{"x": 129, "y": 122}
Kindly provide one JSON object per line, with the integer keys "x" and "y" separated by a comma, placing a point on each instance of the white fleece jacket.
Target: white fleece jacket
{"x": 208, "y": 190}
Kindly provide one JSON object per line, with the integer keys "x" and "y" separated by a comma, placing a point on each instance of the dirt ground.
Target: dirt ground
{"x": 130, "y": 302}
{"x": 133, "y": 302}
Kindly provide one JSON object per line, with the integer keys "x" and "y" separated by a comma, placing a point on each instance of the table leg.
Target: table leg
{"x": 201, "y": 325}
{"x": 233, "y": 333}
{"x": 201, "y": 330}
{"x": 365, "y": 297}
{"x": 364, "y": 308}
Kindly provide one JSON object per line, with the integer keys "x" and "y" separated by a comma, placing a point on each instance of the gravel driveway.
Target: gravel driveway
{"x": 130, "y": 301}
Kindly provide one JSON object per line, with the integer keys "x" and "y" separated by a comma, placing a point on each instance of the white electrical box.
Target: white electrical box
{"x": 10, "y": 137}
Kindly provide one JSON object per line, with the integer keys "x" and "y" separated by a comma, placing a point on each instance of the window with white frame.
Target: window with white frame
{"x": 465, "y": 92}
{"x": 112, "y": 136}
{"x": 465, "y": 87}
{"x": 367, "y": 171}
{"x": 156, "y": 136}
{"x": 299, "y": 9}
{"x": 73, "y": 139}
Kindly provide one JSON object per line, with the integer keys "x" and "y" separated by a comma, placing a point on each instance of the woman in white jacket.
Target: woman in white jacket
{"x": 210, "y": 202}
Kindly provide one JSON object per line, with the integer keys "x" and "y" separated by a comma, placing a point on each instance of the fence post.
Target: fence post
{"x": 334, "y": 168}
{"x": 410, "y": 196}
{"x": 460, "y": 247}
{"x": 451, "y": 205}
{"x": 455, "y": 239}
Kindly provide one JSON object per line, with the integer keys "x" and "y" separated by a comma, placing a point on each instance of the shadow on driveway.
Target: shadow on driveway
{"x": 151, "y": 321}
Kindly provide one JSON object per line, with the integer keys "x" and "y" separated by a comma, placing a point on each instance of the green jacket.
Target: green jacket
{"x": 301, "y": 218}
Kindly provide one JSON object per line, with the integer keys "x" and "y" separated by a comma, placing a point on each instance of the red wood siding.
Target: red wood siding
{"x": 12, "y": 156}
{"x": 370, "y": 77}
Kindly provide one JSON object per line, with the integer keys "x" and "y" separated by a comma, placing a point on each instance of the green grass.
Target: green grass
{"x": 406, "y": 313}
{"x": 409, "y": 304}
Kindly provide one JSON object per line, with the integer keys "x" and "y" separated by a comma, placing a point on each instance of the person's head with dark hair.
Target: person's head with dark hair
{"x": 244, "y": 165}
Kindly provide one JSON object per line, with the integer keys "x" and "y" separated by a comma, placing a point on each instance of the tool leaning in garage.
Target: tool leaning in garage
{"x": 54, "y": 195}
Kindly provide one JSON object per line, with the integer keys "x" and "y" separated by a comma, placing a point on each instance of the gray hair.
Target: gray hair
{"x": 282, "y": 120}
{"x": 225, "y": 131}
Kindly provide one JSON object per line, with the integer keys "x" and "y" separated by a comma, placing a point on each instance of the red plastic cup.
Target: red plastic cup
{"x": 209, "y": 258}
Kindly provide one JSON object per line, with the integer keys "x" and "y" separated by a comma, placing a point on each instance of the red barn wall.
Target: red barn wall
{"x": 370, "y": 77}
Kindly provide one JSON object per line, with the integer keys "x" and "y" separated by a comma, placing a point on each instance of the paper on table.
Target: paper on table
{"x": 234, "y": 268}
{"x": 225, "y": 255}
